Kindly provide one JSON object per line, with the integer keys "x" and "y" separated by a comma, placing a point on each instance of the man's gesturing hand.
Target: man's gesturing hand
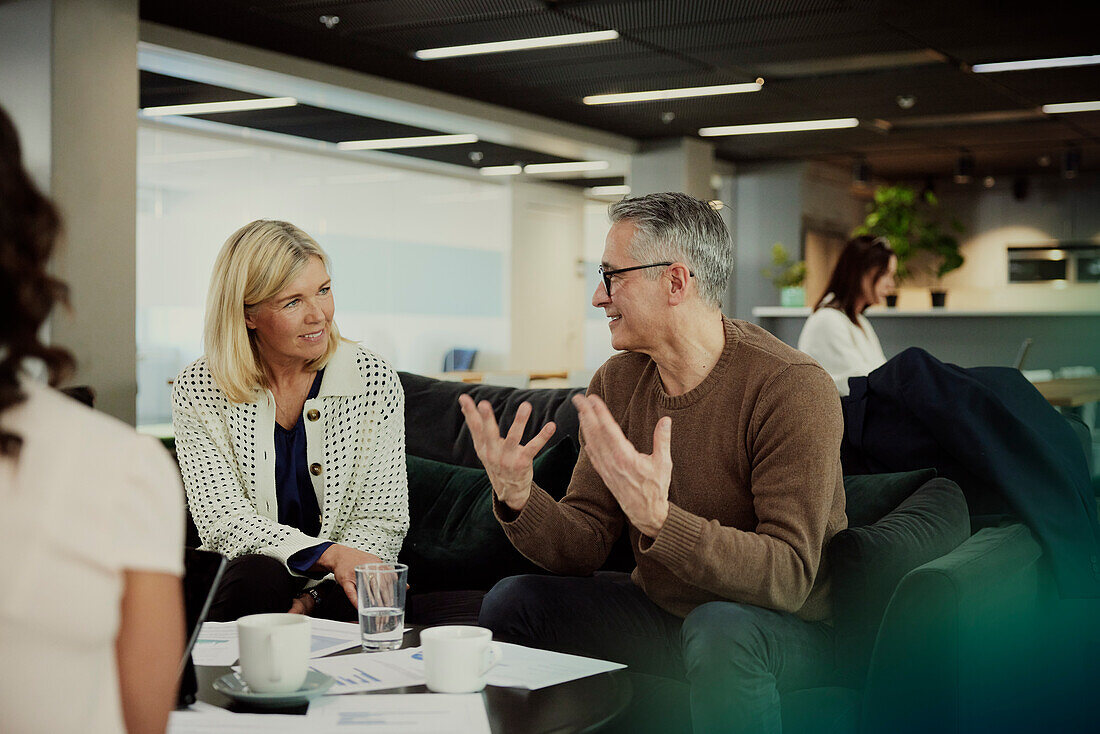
{"x": 508, "y": 464}
{"x": 638, "y": 481}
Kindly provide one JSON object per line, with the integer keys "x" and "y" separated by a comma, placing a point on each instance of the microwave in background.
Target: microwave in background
{"x": 1065, "y": 262}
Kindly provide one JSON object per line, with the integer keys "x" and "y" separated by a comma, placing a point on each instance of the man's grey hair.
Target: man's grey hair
{"x": 676, "y": 227}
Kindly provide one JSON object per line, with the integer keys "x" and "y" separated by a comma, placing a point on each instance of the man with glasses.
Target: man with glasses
{"x": 716, "y": 448}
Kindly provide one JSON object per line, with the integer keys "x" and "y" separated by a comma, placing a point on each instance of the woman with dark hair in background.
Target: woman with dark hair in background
{"x": 837, "y": 334}
{"x": 91, "y": 525}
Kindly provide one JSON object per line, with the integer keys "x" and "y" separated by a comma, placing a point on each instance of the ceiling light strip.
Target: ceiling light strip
{"x": 421, "y": 141}
{"x": 212, "y": 108}
{"x": 501, "y": 170}
{"x": 1057, "y": 63}
{"x": 681, "y": 93}
{"x": 779, "y": 127}
{"x": 566, "y": 167}
{"x": 519, "y": 44}
{"x": 621, "y": 190}
{"x": 1055, "y": 109}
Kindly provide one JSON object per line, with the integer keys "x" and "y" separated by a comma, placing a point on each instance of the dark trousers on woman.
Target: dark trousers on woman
{"x": 255, "y": 584}
{"x": 736, "y": 658}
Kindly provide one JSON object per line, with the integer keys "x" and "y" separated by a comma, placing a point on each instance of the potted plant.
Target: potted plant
{"x": 943, "y": 246}
{"x": 788, "y": 275}
{"x": 911, "y": 223}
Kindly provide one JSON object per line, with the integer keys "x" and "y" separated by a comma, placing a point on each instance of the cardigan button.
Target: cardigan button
{"x": 315, "y": 469}
{"x": 313, "y": 414}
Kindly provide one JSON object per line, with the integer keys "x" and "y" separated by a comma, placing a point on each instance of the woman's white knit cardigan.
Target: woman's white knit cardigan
{"x": 355, "y": 448}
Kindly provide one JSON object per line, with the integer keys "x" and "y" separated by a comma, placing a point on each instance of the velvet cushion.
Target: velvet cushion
{"x": 867, "y": 563}
{"x": 868, "y": 497}
{"x": 435, "y": 428}
{"x": 454, "y": 540}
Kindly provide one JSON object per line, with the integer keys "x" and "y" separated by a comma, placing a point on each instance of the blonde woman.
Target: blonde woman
{"x": 290, "y": 439}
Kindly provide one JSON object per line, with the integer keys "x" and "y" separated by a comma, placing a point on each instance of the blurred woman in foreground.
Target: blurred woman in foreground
{"x": 837, "y": 334}
{"x": 91, "y": 519}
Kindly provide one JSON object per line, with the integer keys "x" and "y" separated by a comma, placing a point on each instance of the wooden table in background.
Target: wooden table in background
{"x": 1070, "y": 392}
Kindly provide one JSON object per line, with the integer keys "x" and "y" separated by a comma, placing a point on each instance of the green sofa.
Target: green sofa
{"x": 941, "y": 630}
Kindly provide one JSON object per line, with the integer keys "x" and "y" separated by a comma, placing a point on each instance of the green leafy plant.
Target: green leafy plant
{"x": 785, "y": 272}
{"x": 912, "y": 223}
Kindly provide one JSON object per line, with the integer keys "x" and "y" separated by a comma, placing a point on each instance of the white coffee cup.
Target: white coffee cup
{"x": 457, "y": 657}
{"x": 274, "y": 650}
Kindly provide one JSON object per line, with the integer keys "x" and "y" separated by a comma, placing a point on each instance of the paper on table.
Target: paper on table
{"x": 521, "y": 667}
{"x": 527, "y": 667}
{"x": 369, "y": 671}
{"x": 221, "y": 721}
{"x": 330, "y": 637}
{"x": 407, "y": 713}
{"x": 217, "y": 644}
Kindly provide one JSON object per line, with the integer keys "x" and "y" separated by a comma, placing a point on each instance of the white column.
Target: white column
{"x": 68, "y": 76}
{"x": 548, "y": 298}
{"x": 683, "y": 164}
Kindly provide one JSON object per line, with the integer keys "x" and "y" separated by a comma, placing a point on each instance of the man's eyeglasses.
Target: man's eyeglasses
{"x": 606, "y": 274}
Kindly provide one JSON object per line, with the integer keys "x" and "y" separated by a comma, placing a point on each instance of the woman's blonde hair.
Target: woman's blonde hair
{"x": 255, "y": 263}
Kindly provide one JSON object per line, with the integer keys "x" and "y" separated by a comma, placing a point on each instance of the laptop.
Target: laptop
{"x": 202, "y": 572}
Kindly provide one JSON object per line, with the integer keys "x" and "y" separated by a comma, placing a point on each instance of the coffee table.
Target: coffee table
{"x": 584, "y": 705}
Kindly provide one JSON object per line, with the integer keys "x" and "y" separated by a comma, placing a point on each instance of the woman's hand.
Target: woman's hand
{"x": 302, "y": 604}
{"x": 340, "y": 560}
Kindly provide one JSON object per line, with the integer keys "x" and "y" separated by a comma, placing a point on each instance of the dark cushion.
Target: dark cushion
{"x": 435, "y": 428}
{"x": 868, "y": 497}
{"x": 454, "y": 540}
{"x": 868, "y": 562}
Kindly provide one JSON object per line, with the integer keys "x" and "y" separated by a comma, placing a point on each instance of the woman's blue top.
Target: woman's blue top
{"x": 293, "y": 488}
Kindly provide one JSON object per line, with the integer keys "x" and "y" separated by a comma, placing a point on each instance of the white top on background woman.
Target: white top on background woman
{"x": 290, "y": 439}
{"x": 837, "y": 334}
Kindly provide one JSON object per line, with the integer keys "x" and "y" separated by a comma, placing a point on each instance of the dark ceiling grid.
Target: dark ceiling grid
{"x": 763, "y": 36}
{"x": 333, "y": 126}
{"x": 384, "y": 15}
{"x": 633, "y": 66}
{"x": 1046, "y": 86}
{"x": 316, "y": 123}
{"x": 158, "y": 90}
{"x": 509, "y": 63}
{"x": 635, "y": 14}
{"x": 671, "y": 43}
{"x": 873, "y": 95}
{"x": 529, "y": 25}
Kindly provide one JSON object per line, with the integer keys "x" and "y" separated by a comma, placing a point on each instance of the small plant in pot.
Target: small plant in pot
{"x": 943, "y": 246}
{"x": 910, "y": 222}
{"x": 788, "y": 275}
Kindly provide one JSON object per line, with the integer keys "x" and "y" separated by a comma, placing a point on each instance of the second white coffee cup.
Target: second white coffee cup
{"x": 457, "y": 657}
{"x": 274, "y": 651}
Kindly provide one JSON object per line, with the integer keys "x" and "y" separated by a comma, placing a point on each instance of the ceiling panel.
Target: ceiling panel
{"x": 380, "y": 15}
{"x": 807, "y": 47}
{"x": 938, "y": 89}
{"x": 331, "y": 126}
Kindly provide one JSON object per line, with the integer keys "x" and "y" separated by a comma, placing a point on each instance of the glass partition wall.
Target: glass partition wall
{"x": 420, "y": 259}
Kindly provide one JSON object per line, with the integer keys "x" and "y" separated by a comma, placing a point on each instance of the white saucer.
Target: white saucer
{"x": 233, "y": 686}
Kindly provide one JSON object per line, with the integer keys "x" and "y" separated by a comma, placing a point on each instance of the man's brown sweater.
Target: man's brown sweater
{"x": 756, "y": 489}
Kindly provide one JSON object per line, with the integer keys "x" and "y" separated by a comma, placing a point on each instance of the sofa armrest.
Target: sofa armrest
{"x": 956, "y": 639}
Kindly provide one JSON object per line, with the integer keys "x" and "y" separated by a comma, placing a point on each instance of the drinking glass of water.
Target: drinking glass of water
{"x": 381, "y": 588}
